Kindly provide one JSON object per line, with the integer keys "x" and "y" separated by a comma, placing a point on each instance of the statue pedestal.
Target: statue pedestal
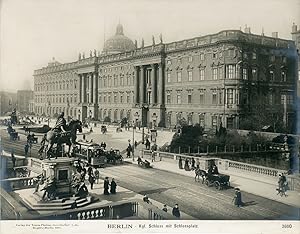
{"x": 61, "y": 169}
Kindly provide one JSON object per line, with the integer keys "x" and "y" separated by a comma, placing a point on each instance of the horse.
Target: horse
{"x": 202, "y": 173}
{"x": 69, "y": 137}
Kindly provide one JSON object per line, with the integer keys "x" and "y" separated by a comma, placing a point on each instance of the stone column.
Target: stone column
{"x": 80, "y": 88}
{"x": 83, "y": 94}
{"x": 153, "y": 84}
{"x": 142, "y": 85}
{"x": 90, "y": 77}
{"x": 136, "y": 85}
{"x": 160, "y": 84}
{"x": 225, "y": 92}
{"x": 95, "y": 87}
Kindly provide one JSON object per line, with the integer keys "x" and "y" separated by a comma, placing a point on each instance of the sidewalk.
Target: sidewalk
{"x": 252, "y": 185}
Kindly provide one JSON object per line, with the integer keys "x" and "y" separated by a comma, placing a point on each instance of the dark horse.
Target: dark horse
{"x": 69, "y": 137}
{"x": 202, "y": 173}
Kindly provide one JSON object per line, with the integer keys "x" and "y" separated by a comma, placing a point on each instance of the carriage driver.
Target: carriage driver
{"x": 60, "y": 124}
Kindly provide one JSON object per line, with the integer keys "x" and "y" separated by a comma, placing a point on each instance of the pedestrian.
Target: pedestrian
{"x": 106, "y": 186}
{"x": 186, "y": 165}
{"x": 282, "y": 185}
{"x": 113, "y": 186}
{"x": 83, "y": 137}
{"x": 165, "y": 209}
{"x": 152, "y": 155}
{"x": 193, "y": 164}
{"x": 237, "y": 198}
{"x": 91, "y": 179}
{"x": 128, "y": 150}
{"x": 146, "y": 199}
{"x": 135, "y": 144}
{"x": 176, "y": 212}
{"x": 13, "y": 159}
{"x": 26, "y": 148}
{"x": 97, "y": 175}
{"x": 180, "y": 163}
{"x": 89, "y": 170}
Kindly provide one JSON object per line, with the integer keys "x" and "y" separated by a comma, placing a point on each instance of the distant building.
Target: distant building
{"x": 23, "y": 99}
{"x": 296, "y": 38}
{"x": 221, "y": 78}
{"x": 8, "y": 101}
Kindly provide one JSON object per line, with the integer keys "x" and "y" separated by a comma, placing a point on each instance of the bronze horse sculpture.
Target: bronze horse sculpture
{"x": 68, "y": 137}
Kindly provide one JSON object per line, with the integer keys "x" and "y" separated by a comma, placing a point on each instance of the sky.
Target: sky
{"x": 32, "y": 32}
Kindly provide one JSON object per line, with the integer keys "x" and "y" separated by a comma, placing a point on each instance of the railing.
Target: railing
{"x": 117, "y": 210}
{"x": 18, "y": 183}
{"x": 228, "y": 164}
{"x": 253, "y": 168}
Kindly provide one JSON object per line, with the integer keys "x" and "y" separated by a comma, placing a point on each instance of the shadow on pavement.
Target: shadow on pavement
{"x": 160, "y": 190}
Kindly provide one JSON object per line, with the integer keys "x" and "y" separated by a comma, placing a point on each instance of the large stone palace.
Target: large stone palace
{"x": 223, "y": 77}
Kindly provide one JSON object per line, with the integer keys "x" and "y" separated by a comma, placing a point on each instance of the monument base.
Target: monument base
{"x": 35, "y": 202}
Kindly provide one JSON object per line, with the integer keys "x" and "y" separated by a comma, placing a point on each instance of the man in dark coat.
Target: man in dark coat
{"x": 106, "y": 186}
{"x": 180, "y": 163}
{"x": 113, "y": 186}
{"x": 238, "y": 198}
{"x": 13, "y": 159}
{"x": 176, "y": 212}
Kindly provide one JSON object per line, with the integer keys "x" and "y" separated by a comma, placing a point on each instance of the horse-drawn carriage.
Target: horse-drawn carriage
{"x": 143, "y": 164}
{"x": 219, "y": 181}
{"x": 114, "y": 156}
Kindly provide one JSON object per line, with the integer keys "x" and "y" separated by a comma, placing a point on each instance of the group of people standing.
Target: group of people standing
{"x": 112, "y": 185}
{"x": 189, "y": 164}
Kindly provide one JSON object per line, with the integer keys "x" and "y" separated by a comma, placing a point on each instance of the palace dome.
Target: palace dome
{"x": 118, "y": 43}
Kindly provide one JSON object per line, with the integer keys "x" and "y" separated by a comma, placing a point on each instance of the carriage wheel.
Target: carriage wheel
{"x": 228, "y": 184}
{"x": 218, "y": 185}
{"x": 207, "y": 182}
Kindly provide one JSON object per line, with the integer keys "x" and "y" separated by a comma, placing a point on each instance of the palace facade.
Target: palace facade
{"x": 223, "y": 77}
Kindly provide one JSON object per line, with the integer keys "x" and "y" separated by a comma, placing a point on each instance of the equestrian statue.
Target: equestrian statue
{"x": 61, "y": 133}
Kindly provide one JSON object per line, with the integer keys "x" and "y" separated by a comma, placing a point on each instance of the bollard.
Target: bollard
{"x": 241, "y": 148}
{"x": 207, "y": 148}
{"x": 189, "y": 149}
{"x": 225, "y": 149}
{"x": 216, "y": 149}
{"x": 198, "y": 149}
{"x": 179, "y": 149}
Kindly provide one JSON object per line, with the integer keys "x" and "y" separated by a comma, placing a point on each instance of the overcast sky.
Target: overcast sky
{"x": 34, "y": 31}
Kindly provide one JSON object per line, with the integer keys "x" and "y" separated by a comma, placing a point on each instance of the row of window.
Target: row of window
{"x": 60, "y": 85}
{"x": 229, "y": 53}
{"x": 115, "y": 99}
{"x": 202, "y": 56}
{"x": 109, "y": 81}
{"x": 60, "y": 99}
{"x": 231, "y": 72}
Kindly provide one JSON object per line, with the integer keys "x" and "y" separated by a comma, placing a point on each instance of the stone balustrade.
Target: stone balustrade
{"x": 18, "y": 183}
{"x": 253, "y": 169}
{"x": 227, "y": 165}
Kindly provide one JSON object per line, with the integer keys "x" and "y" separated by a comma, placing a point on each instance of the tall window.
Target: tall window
{"x": 289, "y": 99}
{"x": 179, "y": 76}
{"x": 271, "y": 75}
{"x": 190, "y": 58}
{"x": 190, "y": 75}
{"x": 214, "y": 55}
{"x": 128, "y": 99}
{"x": 201, "y": 120}
{"x": 220, "y": 97}
{"x": 283, "y": 76}
{"x": 215, "y": 73}
{"x": 202, "y": 98}
{"x": 230, "y": 96}
{"x": 115, "y": 81}
{"x": 282, "y": 98}
{"x": 115, "y": 98}
{"x": 254, "y": 74}
{"x": 231, "y": 71}
{"x": 121, "y": 98}
{"x": 202, "y": 74}
{"x": 245, "y": 74}
{"x": 189, "y": 98}
{"x": 214, "y": 121}
{"x": 214, "y": 97}
{"x": 168, "y": 98}
{"x": 202, "y": 57}
{"x": 109, "y": 99}
{"x": 178, "y": 98}
{"x": 253, "y": 55}
{"x": 221, "y": 73}
{"x": 168, "y": 77}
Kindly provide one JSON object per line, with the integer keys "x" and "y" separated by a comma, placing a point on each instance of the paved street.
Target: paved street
{"x": 194, "y": 198}
{"x": 169, "y": 188}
